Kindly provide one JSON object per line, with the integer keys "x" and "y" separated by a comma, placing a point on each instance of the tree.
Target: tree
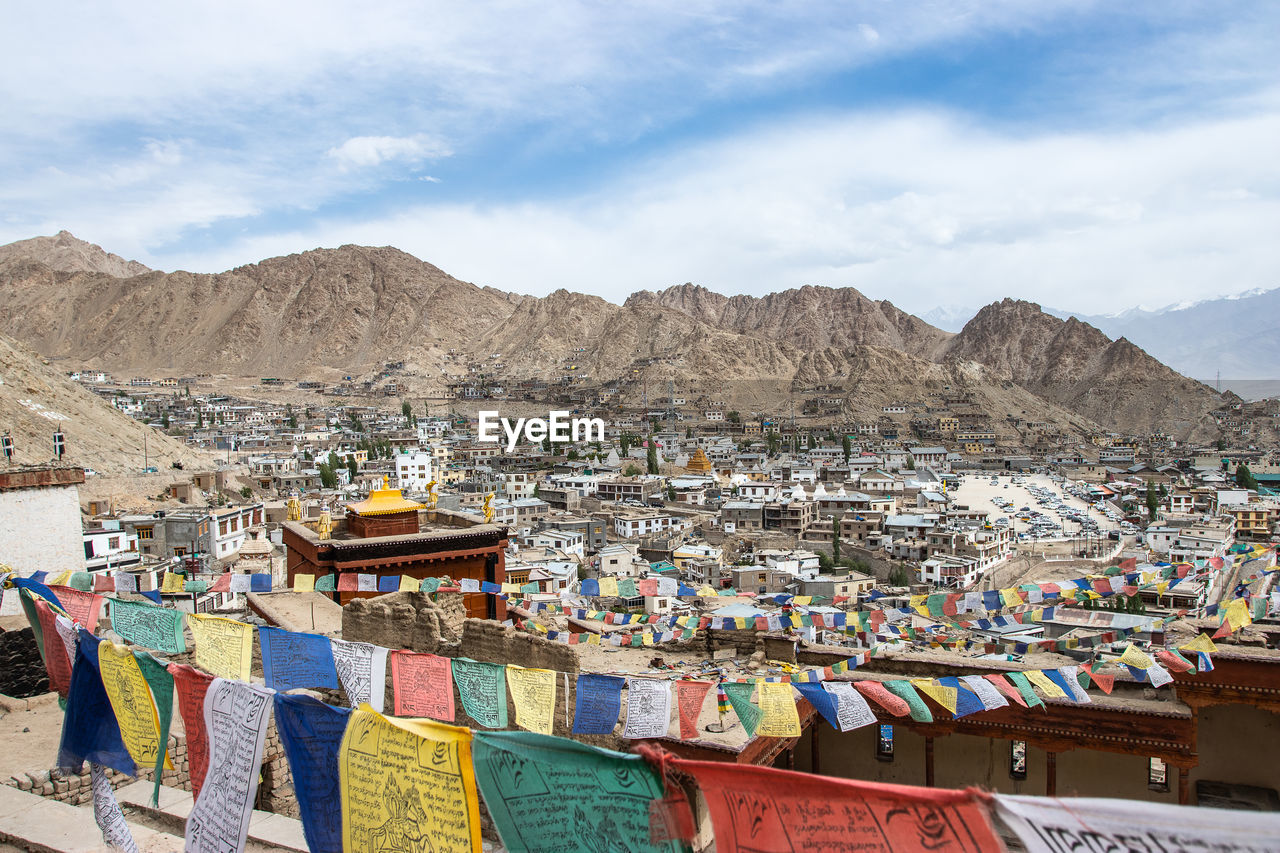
{"x": 572, "y": 454}
{"x": 353, "y": 467}
{"x": 671, "y": 493}
{"x": 246, "y": 492}
{"x": 652, "y": 456}
{"x": 733, "y": 417}
{"x": 771, "y": 443}
{"x": 407, "y": 411}
{"x": 911, "y": 463}
{"x": 328, "y": 477}
{"x": 631, "y": 471}
{"x": 164, "y": 421}
{"x": 846, "y": 445}
{"x": 624, "y": 443}
{"x": 1245, "y": 478}
{"x": 688, "y": 432}
{"x": 898, "y": 576}
{"x": 835, "y": 540}
{"x": 1222, "y": 444}
{"x": 199, "y": 419}
{"x": 1153, "y": 501}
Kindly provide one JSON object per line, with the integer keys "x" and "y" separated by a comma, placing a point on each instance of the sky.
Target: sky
{"x": 1089, "y": 156}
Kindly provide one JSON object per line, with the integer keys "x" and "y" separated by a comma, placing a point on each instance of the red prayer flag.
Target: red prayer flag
{"x": 1172, "y": 661}
{"x": 1105, "y": 682}
{"x": 648, "y": 586}
{"x": 1129, "y": 564}
{"x": 878, "y": 693}
{"x": 766, "y": 810}
{"x": 423, "y": 685}
{"x": 191, "y": 684}
{"x": 222, "y": 584}
{"x": 348, "y": 582}
{"x": 56, "y": 660}
{"x": 689, "y": 697}
{"x": 103, "y": 582}
{"x": 1006, "y": 688}
{"x": 83, "y": 607}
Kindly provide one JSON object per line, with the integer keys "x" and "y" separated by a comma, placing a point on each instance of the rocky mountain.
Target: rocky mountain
{"x": 65, "y": 252}
{"x": 1073, "y": 364}
{"x": 333, "y": 312}
{"x": 1216, "y": 336}
{"x": 343, "y": 310}
{"x": 36, "y": 400}
{"x": 807, "y": 317}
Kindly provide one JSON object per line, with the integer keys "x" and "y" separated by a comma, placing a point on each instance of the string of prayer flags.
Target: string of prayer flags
{"x": 191, "y": 685}
{"x": 778, "y": 714}
{"x": 407, "y": 785}
{"x": 533, "y": 692}
{"x": 291, "y": 659}
{"x": 83, "y": 607}
{"x": 423, "y": 685}
{"x": 147, "y": 625}
{"x": 739, "y": 695}
{"x": 107, "y": 814}
{"x": 362, "y": 670}
{"x": 689, "y": 698}
{"x": 878, "y": 693}
{"x": 598, "y": 703}
{"x": 89, "y": 728}
{"x": 482, "y": 687}
{"x": 131, "y": 701}
{"x": 766, "y": 809}
{"x": 648, "y": 708}
{"x": 903, "y": 690}
{"x": 967, "y": 702}
{"x": 224, "y": 647}
{"x": 236, "y": 716}
{"x": 311, "y": 733}
{"x": 1068, "y": 678}
{"x": 547, "y": 793}
{"x": 1174, "y": 661}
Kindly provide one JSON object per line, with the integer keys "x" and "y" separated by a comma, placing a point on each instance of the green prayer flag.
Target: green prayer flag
{"x": 326, "y": 583}
{"x": 1023, "y": 684}
{"x": 740, "y": 698}
{"x": 919, "y": 710}
{"x": 161, "y": 684}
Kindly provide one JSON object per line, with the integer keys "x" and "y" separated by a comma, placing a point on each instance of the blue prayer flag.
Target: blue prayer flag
{"x": 260, "y": 582}
{"x": 311, "y": 733}
{"x": 598, "y": 704}
{"x": 152, "y": 594}
{"x": 89, "y": 728}
{"x": 589, "y": 587}
{"x": 291, "y": 659}
{"x": 822, "y": 701}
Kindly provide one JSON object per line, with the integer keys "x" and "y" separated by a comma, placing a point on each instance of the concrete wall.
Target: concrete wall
{"x": 41, "y": 531}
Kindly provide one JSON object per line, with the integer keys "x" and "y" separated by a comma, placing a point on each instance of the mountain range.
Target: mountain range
{"x": 327, "y": 313}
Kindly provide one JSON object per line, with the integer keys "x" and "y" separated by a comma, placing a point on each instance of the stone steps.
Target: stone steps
{"x": 41, "y": 825}
{"x": 268, "y": 833}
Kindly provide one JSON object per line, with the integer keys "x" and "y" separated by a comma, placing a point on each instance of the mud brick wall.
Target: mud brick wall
{"x": 22, "y": 672}
{"x": 405, "y": 620}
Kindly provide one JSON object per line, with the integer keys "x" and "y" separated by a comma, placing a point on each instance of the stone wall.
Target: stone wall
{"x": 22, "y": 671}
{"x": 405, "y": 620}
{"x": 489, "y": 641}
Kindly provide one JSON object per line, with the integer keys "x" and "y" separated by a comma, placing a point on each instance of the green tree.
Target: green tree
{"x": 733, "y": 417}
{"x": 846, "y": 445}
{"x": 898, "y": 576}
{"x": 688, "y": 432}
{"x": 164, "y": 421}
{"x": 835, "y": 540}
{"x": 911, "y": 463}
{"x": 246, "y": 492}
{"x": 671, "y": 493}
{"x": 1245, "y": 478}
{"x": 407, "y": 410}
{"x": 652, "y": 456}
{"x": 199, "y": 419}
{"x": 771, "y": 443}
{"x": 328, "y": 477}
{"x": 353, "y": 467}
{"x": 1153, "y": 502}
{"x": 631, "y": 471}
{"x": 572, "y": 454}
{"x": 624, "y": 444}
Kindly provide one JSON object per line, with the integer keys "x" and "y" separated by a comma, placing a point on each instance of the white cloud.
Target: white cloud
{"x": 919, "y": 208}
{"x": 367, "y": 151}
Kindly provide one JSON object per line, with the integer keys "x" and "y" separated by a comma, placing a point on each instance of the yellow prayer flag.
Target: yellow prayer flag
{"x": 1135, "y": 658}
{"x": 608, "y": 587}
{"x": 408, "y": 583}
{"x": 511, "y": 588}
{"x": 1010, "y": 597}
{"x": 706, "y": 592}
{"x": 224, "y": 647}
{"x": 304, "y": 583}
{"x": 407, "y": 785}
{"x": 60, "y": 579}
{"x": 172, "y": 582}
{"x": 533, "y": 692}
{"x": 802, "y": 600}
{"x": 593, "y": 639}
{"x": 646, "y": 638}
{"x": 131, "y": 700}
{"x": 740, "y": 622}
{"x": 1162, "y": 587}
{"x": 1039, "y": 679}
{"x": 778, "y": 714}
{"x": 1238, "y": 614}
{"x": 1203, "y": 643}
{"x": 940, "y": 693}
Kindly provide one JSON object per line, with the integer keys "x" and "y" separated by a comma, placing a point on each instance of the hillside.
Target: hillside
{"x": 36, "y": 400}
{"x": 344, "y": 309}
{"x": 807, "y": 317}
{"x": 1076, "y": 366}
{"x": 65, "y": 252}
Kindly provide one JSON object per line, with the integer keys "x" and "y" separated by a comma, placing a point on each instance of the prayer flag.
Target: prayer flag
{"x": 598, "y": 703}
{"x": 291, "y": 659}
{"x": 533, "y": 692}
{"x": 423, "y": 685}
{"x": 739, "y": 696}
{"x": 648, "y": 708}
{"x": 191, "y": 685}
{"x": 224, "y": 647}
{"x": 131, "y": 701}
{"x": 362, "y": 669}
{"x": 89, "y": 728}
{"x": 482, "y": 690}
{"x": 311, "y": 734}
{"x": 689, "y": 698}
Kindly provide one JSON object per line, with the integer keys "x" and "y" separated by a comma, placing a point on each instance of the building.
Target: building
{"x": 792, "y": 518}
{"x": 627, "y": 488}
{"x": 386, "y": 536}
{"x": 108, "y": 546}
{"x": 40, "y": 521}
{"x": 414, "y": 471}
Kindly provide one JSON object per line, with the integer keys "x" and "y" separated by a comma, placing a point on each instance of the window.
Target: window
{"x": 884, "y": 744}
{"x": 1018, "y": 759}
{"x": 1157, "y": 775}
{"x": 145, "y": 533}
{"x": 114, "y": 543}
{"x": 222, "y": 528}
{"x": 179, "y": 551}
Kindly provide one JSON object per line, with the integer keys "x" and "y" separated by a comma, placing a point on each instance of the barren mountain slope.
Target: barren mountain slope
{"x": 807, "y": 317}
{"x": 344, "y": 309}
{"x": 36, "y": 400}
{"x": 67, "y": 253}
{"x": 1073, "y": 364}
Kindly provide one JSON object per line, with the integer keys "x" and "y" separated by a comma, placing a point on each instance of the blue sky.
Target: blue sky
{"x": 1089, "y": 156}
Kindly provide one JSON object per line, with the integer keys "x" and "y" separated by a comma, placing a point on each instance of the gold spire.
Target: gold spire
{"x": 384, "y": 501}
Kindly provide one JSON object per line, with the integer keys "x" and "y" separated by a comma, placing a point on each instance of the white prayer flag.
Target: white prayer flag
{"x": 126, "y": 582}
{"x": 648, "y": 708}
{"x": 106, "y": 811}
{"x": 469, "y": 585}
{"x": 362, "y": 669}
{"x": 367, "y": 583}
{"x": 852, "y": 710}
{"x": 241, "y": 583}
{"x": 1159, "y": 675}
{"x": 1070, "y": 674}
{"x": 987, "y": 692}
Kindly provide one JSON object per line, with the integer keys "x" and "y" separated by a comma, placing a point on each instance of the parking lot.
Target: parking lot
{"x": 1036, "y": 507}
